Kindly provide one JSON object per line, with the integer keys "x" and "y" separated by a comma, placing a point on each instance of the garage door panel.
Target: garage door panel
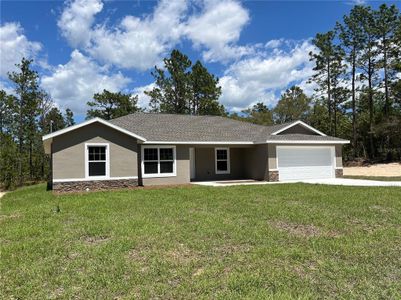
{"x": 290, "y": 157}
{"x": 297, "y": 163}
{"x": 299, "y": 173}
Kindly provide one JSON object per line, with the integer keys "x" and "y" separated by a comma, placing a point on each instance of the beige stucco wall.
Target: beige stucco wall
{"x": 273, "y": 154}
{"x": 182, "y": 169}
{"x": 69, "y": 152}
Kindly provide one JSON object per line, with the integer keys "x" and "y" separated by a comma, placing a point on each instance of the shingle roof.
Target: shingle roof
{"x": 187, "y": 128}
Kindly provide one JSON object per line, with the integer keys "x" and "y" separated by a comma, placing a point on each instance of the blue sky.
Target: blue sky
{"x": 256, "y": 48}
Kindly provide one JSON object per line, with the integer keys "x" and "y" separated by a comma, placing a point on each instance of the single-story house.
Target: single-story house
{"x": 156, "y": 149}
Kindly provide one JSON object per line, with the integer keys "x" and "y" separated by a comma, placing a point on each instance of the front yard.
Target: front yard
{"x": 266, "y": 241}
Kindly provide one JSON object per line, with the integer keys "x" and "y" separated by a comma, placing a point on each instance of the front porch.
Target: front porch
{"x": 228, "y": 163}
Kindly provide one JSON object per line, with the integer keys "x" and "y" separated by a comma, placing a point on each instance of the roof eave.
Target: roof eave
{"x": 91, "y": 121}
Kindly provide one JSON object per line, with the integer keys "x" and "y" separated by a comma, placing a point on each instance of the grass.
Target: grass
{"x": 379, "y": 178}
{"x": 269, "y": 241}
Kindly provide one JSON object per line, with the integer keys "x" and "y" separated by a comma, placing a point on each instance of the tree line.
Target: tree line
{"x": 357, "y": 74}
{"x": 25, "y": 116}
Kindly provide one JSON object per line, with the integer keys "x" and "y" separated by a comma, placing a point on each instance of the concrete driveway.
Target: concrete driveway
{"x": 333, "y": 181}
{"x": 353, "y": 182}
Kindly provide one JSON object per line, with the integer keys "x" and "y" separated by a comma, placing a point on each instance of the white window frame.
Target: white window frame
{"x": 228, "y": 161}
{"x": 158, "y": 174}
{"x": 87, "y": 145}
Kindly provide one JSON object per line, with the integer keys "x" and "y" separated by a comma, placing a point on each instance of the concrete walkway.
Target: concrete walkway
{"x": 333, "y": 181}
{"x": 2, "y": 194}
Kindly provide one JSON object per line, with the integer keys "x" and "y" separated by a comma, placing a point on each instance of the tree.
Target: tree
{"x": 108, "y": 105}
{"x": 69, "y": 118}
{"x": 8, "y": 161}
{"x": 27, "y": 110}
{"x": 368, "y": 64}
{"x": 328, "y": 68}
{"x": 293, "y": 105}
{"x": 352, "y": 38}
{"x": 6, "y": 111}
{"x": 172, "y": 91}
{"x": 205, "y": 92}
{"x": 53, "y": 121}
{"x": 258, "y": 114}
{"x": 185, "y": 89}
{"x": 387, "y": 22}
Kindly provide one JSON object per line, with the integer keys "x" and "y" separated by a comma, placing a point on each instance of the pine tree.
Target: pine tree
{"x": 387, "y": 21}
{"x": 352, "y": 38}
{"x": 258, "y": 114}
{"x": 293, "y": 105}
{"x": 172, "y": 91}
{"x": 328, "y": 70}
{"x": 368, "y": 64}
{"x": 108, "y": 105}
{"x": 27, "y": 110}
{"x": 205, "y": 92}
{"x": 69, "y": 118}
{"x": 6, "y": 111}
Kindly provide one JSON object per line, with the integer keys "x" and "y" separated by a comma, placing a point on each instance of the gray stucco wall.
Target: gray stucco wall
{"x": 182, "y": 170}
{"x": 339, "y": 156}
{"x": 68, "y": 156}
{"x": 299, "y": 129}
{"x": 256, "y": 162}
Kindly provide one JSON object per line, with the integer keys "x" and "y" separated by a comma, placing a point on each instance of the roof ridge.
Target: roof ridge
{"x": 200, "y": 116}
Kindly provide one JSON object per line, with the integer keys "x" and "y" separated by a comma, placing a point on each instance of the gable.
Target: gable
{"x": 298, "y": 129}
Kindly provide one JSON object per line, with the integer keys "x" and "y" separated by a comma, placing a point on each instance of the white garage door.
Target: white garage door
{"x": 297, "y": 163}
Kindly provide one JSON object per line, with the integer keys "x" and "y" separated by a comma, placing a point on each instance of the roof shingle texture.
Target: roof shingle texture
{"x": 187, "y": 128}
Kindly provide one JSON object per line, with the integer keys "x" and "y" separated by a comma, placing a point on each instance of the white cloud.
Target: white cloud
{"x": 14, "y": 45}
{"x": 218, "y": 28}
{"x": 73, "y": 84}
{"x": 141, "y": 42}
{"x": 260, "y": 78}
{"x": 143, "y": 99}
{"x": 77, "y": 19}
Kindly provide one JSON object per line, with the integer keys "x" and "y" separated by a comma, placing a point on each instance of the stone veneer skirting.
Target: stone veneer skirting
{"x": 339, "y": 173}
{"x": 273, "y": 175}
{"x": 93, "y": 185}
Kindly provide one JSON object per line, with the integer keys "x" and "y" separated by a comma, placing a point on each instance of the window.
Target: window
{"x": 97, "y": 160}
{"x": 222, "y": 156}
{"x": 158, "y": 161}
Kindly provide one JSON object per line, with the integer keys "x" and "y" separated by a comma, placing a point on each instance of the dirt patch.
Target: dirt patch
{"x": 385, "y": 170}
{"x": 12, "y": 216}
{"x": 182, "y": 255}
{"x": 303, "y": 230}
{"x": 95, "y": 240}
{"x": 379, "y": 208}
{"x": 198, "y": 272}
{"x": 229, "y": 249}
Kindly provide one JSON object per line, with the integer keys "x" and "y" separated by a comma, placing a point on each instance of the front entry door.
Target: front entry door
{"x": 192, "y": 162}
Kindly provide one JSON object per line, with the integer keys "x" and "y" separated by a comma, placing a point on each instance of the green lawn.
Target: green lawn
{"x": 266, "y": 241}
{"x": 379, "y": 178}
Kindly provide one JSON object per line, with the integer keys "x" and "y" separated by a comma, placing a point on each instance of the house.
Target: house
{"x": 156, "y": 149}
